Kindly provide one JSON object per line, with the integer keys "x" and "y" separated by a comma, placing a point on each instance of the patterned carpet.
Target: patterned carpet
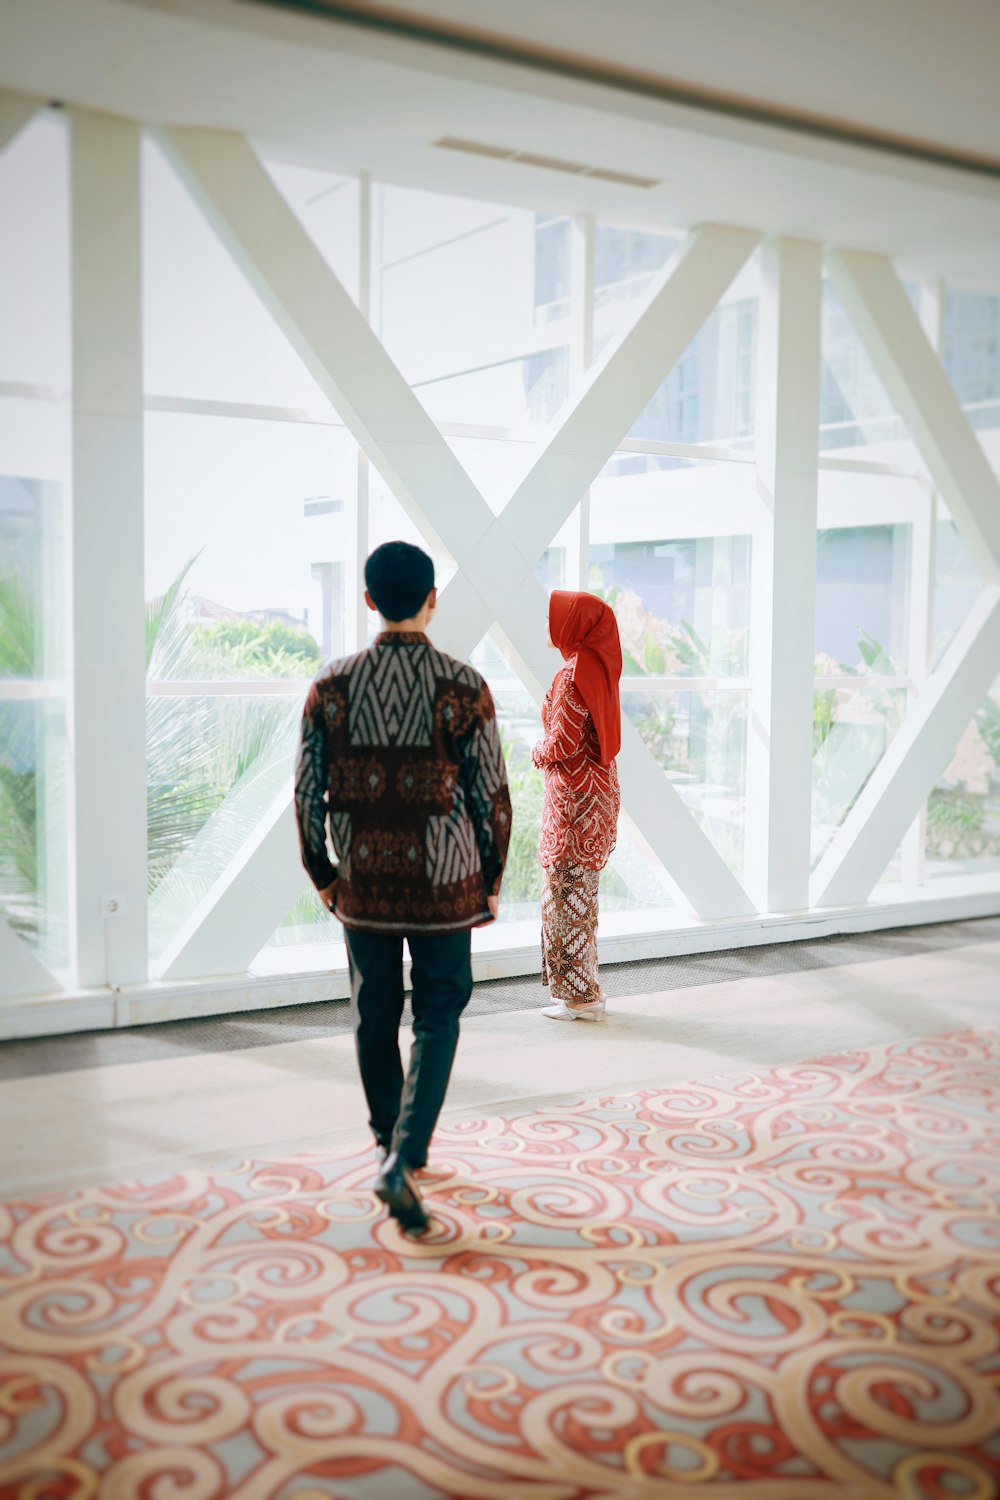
{"x": 787, "y": 1283}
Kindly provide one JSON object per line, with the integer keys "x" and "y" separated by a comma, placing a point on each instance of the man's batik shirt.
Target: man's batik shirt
{"x": 401, "y": 755}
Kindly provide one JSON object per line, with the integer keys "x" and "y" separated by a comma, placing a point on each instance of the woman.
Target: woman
{"x": 581, "y": 720}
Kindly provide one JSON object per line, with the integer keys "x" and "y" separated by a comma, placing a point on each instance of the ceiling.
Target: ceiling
{"x": 352, "y": 98}
{"x": 909, "y": 71}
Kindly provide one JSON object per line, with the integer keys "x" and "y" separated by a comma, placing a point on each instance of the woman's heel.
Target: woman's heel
{"x": 560, "y": 1011}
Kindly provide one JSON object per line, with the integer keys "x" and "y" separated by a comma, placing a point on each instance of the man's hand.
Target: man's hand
{"x": 493, "y": 902}
{"x": 329, "y": 896}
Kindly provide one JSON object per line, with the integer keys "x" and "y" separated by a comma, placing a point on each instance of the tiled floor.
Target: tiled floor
{"x": 87, "y": 1123}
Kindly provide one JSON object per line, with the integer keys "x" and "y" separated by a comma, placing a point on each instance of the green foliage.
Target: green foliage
{"x": 692, "y": 650}
{"x": 18, "y": 781}
{"x": 19, "y": 811}
{"x": 889, "y": 705}
{"x": 654, "y": 655}
{"x": 656, "y": 724}
{"x": 163, "y": 614}
{"x": 955, "y": 812}
{"x": 522, "y": 879}
{"x": 200, "y": 749}
{"x": 874, "y": 656}
{"x": 988, "y": 723}
{"x": 611, "y": 596}
{"x": 824, "y": 715}
{"x": 253, "y": 648}
{"x": 18, "y": 626}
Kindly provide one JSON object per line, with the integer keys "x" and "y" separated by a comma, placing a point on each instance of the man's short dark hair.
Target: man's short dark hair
{"x": 399, "y": 577}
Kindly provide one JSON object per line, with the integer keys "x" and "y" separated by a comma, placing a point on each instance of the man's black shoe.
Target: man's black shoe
{"x": 398, "y": 1191}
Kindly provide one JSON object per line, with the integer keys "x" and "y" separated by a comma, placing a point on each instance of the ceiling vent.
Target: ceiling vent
{"x": 547, "y": 163}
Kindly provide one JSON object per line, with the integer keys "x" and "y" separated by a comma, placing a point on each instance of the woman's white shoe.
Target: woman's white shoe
{"x": 594, "y": 1011}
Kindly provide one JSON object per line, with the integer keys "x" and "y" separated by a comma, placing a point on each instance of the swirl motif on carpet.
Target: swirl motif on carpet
{"x": 784, "y": 1284}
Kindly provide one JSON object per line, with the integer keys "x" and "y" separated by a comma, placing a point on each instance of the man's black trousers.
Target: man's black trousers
{"x": 403, "y": 1112}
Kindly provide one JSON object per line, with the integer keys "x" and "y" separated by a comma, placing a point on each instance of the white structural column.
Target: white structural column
{"x": 920, "y": 611}
{"x": 495, "y": 555}
{"x": 918, "y": 384}
{"x": 922, "y": 574}
{"x": 107, "y": 614}
{"x": 21, "y": 973}
{"x": 906, "y": 773}
{"x": 783, "y": 579}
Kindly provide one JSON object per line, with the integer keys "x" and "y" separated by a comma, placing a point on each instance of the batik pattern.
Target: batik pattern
{"x": 773, "y": 1286}
{"x": 582, "y": 797}
{"x": 401, "y": 756}
{"x": 569, "y": 933}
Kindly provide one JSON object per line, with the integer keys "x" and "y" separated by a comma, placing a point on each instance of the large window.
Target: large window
{"x": 260, "y": 508}
{"x": 459, "y": 290}
{"x": 251, "y": 541}
{"x": 972, "y": 354}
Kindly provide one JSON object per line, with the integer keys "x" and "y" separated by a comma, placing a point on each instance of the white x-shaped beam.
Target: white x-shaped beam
{"x": 495, "y": 585}
{"x": 916, "y": 380}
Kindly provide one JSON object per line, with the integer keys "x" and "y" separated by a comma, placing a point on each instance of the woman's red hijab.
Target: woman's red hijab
{"x": 585, "y": 630}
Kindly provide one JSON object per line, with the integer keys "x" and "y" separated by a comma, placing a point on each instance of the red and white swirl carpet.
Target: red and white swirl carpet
{"x": 768, "y": 1286}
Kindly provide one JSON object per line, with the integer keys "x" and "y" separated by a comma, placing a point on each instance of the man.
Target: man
{"x": 400, "y": 751}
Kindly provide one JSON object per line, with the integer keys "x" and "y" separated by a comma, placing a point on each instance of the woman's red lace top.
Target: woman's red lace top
{"x": 580, "y": 807}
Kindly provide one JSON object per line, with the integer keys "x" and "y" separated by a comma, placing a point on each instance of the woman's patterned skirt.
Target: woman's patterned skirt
{"x": 569, "y": 933}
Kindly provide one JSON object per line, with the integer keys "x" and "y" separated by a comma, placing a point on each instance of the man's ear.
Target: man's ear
{"x": 431, "y": 601}
{"x": 370, "y": 602}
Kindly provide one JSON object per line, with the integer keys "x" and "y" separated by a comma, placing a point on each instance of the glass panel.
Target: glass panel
{"x": 972, "y": 354}
{"x": 523, "y": 391}
{"x": 852, "y": 728}
{"x": 249, "y": 547}
{"x": 553, "y": 268}
{"x": 627, "y": 263}
{"x": 862, "y": 600}
{"x": 855, "y": 411}
{"x": 206, "y": 333}
{"x": 33, "y": 852}
{"x": 699, "y": 738}
{"x": 709, "y": 395}
{"x": 963, "y": 811}
{"x": 471, "y": 302}
{"x": 33, "y": 855}
{"x": 497, "y": 466}
{"x": 214, "y": 766}
{"x": 308, "y": 938}
{"x": 329, "y": 209}
{"x": 957, "y": 585}
{"x": 668, "y": 552}
{"x": 520, "y": 726}
{"x": 389, "y": 522}
{"x": 34, "y": 257}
